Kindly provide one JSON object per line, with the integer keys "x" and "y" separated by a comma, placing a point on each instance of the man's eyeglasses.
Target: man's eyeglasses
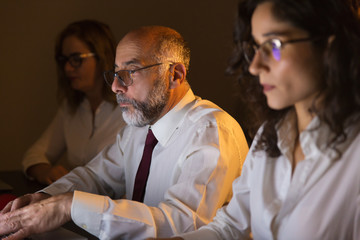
{"x": 74, "y": 59}
{"x": 271, "y": 47}
{"x": 124, "y": 77}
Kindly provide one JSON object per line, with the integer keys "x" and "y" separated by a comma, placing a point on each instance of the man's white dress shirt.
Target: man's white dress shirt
{"x": 199, "y": 154}
{"x": 320, "y": 200}
{"x": 81, "y": 135}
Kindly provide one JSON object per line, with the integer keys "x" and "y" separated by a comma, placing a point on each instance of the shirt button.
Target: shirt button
{"x": 84, "y": 226}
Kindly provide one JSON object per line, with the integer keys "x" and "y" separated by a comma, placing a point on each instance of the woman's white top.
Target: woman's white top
{"x": 320, "y": 200}
{"x": 81, "y": 135}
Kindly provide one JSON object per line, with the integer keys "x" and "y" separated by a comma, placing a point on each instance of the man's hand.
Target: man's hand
{"x": 23, "y": 201}
{"x": 38, "y": 217}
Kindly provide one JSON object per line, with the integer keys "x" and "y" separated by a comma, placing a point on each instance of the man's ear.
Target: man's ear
{"x": 177, "y": 75}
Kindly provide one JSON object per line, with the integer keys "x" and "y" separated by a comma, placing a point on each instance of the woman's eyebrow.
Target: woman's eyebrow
{"x": 276, "y": 33}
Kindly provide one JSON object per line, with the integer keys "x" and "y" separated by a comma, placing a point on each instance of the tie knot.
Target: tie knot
{"x": 151, "y": 139}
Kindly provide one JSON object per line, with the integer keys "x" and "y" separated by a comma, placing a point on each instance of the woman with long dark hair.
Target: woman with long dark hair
{"x": 298, "y": 64}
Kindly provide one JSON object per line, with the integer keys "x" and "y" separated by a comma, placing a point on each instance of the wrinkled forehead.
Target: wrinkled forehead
{"x": 133, "y": 49}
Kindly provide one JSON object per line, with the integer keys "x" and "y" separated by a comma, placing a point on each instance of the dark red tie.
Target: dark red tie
{"x": 144, "y": 167}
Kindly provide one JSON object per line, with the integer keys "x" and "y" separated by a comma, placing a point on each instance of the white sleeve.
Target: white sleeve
{"x": 232, "y": 221}
{"x": 102, "y": 175}
{"x": 203, "y": 185}
{"x": 357, "y": 220}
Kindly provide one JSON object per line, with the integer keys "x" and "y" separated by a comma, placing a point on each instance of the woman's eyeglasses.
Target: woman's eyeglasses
{"x": 271, "y": 47}
{"x": 74, "y": 59}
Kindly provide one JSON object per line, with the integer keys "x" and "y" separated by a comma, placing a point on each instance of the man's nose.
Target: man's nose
{"x": 117, "y": 87}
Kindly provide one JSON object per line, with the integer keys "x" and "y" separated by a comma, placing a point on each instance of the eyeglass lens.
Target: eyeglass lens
{"x": 74, "y": 59}
{"x": 266, "y": 49}
{"x": 123, "y": 76}
{"x": 275, "y": 49}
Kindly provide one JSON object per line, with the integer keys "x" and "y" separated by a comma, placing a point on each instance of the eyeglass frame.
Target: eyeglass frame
{"x": 130, "y": 72}
{"x": 62, "y": 60}
{"x": 275, "y": 43}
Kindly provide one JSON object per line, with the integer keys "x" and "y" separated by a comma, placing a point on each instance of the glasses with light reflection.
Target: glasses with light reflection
{"x": 124, "y": 77}
{"x": 75, "y": 59}
{"x": 269, "y": 48}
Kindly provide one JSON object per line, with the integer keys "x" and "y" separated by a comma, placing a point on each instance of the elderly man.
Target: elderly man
{"x": 193, "y": 150}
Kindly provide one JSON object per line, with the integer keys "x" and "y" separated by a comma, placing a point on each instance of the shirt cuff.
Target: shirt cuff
{"x": 86, "y": 211}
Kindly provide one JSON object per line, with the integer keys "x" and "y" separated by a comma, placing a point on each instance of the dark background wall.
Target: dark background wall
{"x": 27, "y": 68}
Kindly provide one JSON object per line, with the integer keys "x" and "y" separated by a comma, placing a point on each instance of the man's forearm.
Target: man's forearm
{"x": 37, "y": 217}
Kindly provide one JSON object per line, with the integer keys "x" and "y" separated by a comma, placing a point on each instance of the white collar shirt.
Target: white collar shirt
{"x": 321, "y": 200}
{"x": 199, "y": 153}
{"x": 82, "y": 135}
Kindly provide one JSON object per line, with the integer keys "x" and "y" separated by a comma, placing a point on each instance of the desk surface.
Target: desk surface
{"x": 22, "y": 185}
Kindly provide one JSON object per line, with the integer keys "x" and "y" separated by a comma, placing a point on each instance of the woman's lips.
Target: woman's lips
{"x": 267, "y": 87}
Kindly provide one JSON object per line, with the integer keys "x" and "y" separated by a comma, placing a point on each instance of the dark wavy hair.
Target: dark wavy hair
{"x": 101, "y": 41}
{"x": 340, "y": 86}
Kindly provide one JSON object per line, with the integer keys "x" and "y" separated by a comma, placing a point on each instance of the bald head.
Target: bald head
{"x": 153, "y": 33}
{"x": 160, "y": 43}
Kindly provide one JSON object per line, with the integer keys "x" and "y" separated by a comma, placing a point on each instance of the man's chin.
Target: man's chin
{"x": 130, "y": 119}
{"x": 124, "y": 109}
{"x": 127, "y": 108}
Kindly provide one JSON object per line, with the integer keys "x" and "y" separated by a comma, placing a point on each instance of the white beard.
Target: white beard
{"x": 144, "y": 113}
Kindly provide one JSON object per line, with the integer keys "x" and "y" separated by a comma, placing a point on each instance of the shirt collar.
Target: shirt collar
{"x": 286, "y": 134}
{"x": 164, "y": 128}
{"x": 313, "y": 139}
{"x": 318, "y": 139}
